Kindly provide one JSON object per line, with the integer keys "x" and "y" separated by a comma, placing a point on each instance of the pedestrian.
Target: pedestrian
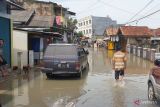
{"x": 3, "y": 66}
{"x": 119, "y": 66}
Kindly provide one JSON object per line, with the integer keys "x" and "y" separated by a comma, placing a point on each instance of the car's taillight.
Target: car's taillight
{"x": 77, "y": 66}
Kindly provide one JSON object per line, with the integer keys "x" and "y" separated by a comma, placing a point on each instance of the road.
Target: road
{"x": 95, "y": 89}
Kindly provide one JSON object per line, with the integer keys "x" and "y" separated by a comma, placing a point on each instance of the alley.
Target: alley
{"x": 95, "y": 89}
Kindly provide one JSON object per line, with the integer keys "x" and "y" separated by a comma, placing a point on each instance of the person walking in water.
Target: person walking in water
{"x": 119, "y": 66}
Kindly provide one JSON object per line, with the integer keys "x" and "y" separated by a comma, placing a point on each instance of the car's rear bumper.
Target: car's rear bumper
{"x": 50, "y": 70}
{"x": 46, "y": 70}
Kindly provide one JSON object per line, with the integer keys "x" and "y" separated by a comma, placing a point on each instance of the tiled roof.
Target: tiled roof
{"x": 155, "y": 32}
{"x": 111, "y": 31}
{"x": 135, "y": 31}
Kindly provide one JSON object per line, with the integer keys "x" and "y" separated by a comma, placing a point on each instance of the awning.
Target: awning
{"x": 39, "y": 32}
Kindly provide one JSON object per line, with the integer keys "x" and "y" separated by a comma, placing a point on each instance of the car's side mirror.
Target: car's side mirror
{"x": 157, "y": 62}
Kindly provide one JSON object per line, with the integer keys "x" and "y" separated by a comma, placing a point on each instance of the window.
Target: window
{"x": 87, "y": 31}
{"x": 60, "y": 50}
{"x": 79, "y": 24}
{"x": 89, "y": 21}
{"x": 84, "y": 32}
{"x": 83, "y": 23}
{"x": 90, "y": 31}
{"x": 86, "y": 22}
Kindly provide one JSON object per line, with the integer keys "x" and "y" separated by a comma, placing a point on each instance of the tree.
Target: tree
{"x": 71, "y": 23}
{"x": 79, "y": 34}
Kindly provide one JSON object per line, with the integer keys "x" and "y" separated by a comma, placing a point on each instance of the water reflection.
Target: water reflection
{"x": 137, "y": 65}
{"x": 21, "y": 97}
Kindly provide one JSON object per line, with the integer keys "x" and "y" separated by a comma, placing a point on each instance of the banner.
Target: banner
{"x": 58, "y": 20}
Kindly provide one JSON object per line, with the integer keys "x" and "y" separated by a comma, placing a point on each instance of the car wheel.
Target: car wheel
{"x": 49, "y": 75}
{"x": 79, "y": 74}
{"x": 151, "y": 92}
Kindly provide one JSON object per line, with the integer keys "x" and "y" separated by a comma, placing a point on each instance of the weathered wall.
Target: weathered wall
{"x": 42, "y": 9}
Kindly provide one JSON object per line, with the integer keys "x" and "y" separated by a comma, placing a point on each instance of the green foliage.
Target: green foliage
{"x": 79, "y": 34}
{"x": 71, "y": 23}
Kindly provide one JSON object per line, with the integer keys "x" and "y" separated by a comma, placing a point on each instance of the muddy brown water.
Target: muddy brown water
{"x": 95, "y": 89}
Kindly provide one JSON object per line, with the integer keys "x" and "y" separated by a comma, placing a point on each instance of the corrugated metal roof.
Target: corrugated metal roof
{"x": 42, "y": 21}
{"x": 21, "y": 16}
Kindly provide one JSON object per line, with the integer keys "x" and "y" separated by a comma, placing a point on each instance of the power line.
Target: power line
{"x": 150, "y": 10}
{"x": 141, "y": 10}
{"x": 143, "y": 17}
{"x": 89, "y": 7}
{"x": 120, "y": 9}
{"x": 92, "y": 6}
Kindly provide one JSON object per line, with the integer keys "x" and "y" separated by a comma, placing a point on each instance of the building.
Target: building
{"x": 6, "y": 27}
{"x": 93, "y": 26}
{"x": 45, "y": 22}
{"x": 155, "y": 39}
{"x": 133, "y": 35}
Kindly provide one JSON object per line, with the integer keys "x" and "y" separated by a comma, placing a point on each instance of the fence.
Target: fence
{"x": 145, "y": 53}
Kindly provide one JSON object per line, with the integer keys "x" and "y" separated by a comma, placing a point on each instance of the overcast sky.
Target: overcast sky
{"x": 120, "y": 10}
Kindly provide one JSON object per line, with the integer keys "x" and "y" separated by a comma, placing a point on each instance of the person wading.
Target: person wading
{"x": 119, "y": 66}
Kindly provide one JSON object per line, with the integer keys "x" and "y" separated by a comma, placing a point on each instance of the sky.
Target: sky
{"x": 119, "y": 10}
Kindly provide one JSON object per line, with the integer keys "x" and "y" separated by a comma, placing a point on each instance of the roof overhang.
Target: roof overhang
{"x": 71, "y": 13}
{"x": 40, "y": 32}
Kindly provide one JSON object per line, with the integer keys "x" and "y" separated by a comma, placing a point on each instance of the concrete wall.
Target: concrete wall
{"x": 42, "y": 9}
{"x": 20, "y": 44}
{"x": 132, "y": 41}
{"x": 99, "y": 24}
{"x": 3, "y": 6}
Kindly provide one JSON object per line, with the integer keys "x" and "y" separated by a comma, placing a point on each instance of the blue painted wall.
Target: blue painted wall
{"x": 5, "y": 34}
{"x": 35, "y": 44}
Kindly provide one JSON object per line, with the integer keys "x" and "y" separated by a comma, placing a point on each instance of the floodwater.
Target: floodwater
{"x": 95, "y": 89}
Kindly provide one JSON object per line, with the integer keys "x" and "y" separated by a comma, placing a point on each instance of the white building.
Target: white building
{"x": 94, "y": 26}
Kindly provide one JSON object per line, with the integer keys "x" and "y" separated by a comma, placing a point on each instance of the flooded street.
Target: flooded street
{"x": 95, "y": 89}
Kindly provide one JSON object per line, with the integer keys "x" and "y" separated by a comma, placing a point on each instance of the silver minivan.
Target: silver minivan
{"x": 62, "y": 59}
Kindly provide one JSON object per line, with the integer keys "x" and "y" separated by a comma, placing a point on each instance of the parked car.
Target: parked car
{"x": 64, "y": 59}
{"x": 154, "y": 82}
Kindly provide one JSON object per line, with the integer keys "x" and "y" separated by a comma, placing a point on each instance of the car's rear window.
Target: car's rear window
{"x": 61, "y": 50}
